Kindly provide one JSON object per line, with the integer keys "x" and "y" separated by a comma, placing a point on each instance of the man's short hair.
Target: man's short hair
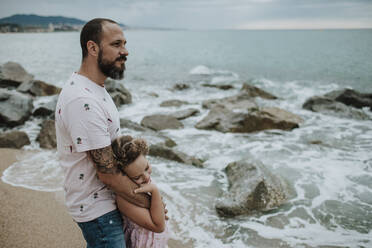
{"x": 92, "y": 30}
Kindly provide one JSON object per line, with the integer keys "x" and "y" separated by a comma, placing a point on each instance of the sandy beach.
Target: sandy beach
{"x": 31, "y": 218}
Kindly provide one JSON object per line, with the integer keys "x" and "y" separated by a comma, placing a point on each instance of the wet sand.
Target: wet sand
{"x": 30, "y": 218}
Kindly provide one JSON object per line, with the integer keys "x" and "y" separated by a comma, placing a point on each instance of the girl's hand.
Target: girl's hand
{"x": 146, "y": 188}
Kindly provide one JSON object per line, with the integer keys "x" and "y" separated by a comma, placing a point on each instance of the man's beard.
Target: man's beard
{"x": 109, "y": 69}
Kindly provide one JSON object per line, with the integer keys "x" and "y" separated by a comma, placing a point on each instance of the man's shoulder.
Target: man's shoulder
{"x": 74, "y": 90}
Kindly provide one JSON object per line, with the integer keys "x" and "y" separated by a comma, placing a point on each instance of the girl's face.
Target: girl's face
{"x": 139, "y": 170}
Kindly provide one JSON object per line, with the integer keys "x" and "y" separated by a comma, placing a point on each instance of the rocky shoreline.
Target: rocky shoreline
{"x": 251, "y": 186}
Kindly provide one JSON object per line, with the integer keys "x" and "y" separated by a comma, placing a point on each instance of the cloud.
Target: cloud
{"x": 207, "y": 14}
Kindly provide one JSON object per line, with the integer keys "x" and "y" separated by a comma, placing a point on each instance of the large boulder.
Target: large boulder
{"x": 252, "y": 188}
{"x": 160, "y": 150}
{"x": 13, "y": 74}
{"x": 253, "y": 91}
{"x": 38, "y": 88}
{"x": 351, "y": 98}
{"x": 159, "y": 122}
{"x": 119, "y": 94}
{"x": 183, "y": 114}
{"x": 329, "y": 106}
{"x": 47, "y": 135}
{"x": 14, "y": 139}
{"x": 226, "y": 120}
{"x": 15, "y": 108}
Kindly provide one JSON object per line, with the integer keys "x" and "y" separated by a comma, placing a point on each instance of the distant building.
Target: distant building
{"x": 50, "y": 27}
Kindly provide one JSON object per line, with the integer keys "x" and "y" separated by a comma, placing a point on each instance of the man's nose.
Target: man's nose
{"x": 124, "y": 51}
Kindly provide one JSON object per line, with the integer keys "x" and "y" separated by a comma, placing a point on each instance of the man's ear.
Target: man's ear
{"x": 93, "y": 48}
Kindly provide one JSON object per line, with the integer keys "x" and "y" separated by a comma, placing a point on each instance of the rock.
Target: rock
{"x": 38, "y": 88}
{"x": 120, "y": 99}
{"x": 181, "y": 86}
{"x": 253, "y": 91}
{"x": 225, "y": 120}
{"x": 47, "y": 135}
{"x": 124, "y": 123}
{"x": 47, "y": 108}
{"x": 252, "y": 187}
{"x": 160, "y": 122}
{"x": 351, "y": 98}
{"x": 284, "y": 115}
{"x": 219, "y": 86}
{"x": 14, "y": 139}
{"x": 183, "y": 114}
{"x": 15, "y": 108}
{"x": 240, "y": 101}
{"x": 173, "y": 103}
{"x": 153, "y": 94}
{"x": 13, "y": 74}
{"x": 160, "y": 150}
{"x": 119, "y": 94}
{"x": 150, "y": 135}
{"x": 329, "y": 106}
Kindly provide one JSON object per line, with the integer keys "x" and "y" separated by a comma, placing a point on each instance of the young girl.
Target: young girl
{"x": 143, "y": 227}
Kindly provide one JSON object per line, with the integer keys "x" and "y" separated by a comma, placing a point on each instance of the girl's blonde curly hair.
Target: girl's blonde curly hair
{"x": 126, "y": 150}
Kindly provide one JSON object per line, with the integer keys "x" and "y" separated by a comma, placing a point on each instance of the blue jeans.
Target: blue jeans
{"x": 105, "y": 231}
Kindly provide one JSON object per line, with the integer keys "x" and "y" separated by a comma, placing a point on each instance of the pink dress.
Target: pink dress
{"x": 139, "y": 237}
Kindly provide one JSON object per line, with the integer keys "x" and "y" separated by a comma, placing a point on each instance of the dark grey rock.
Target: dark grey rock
{"x": 47, "y": 136}
{"x": 160, "y": 150}
{"x": 351, "y": 97}
{"x": 38, "y": 88}
{"x": 172, "y": 103}
{"x": 13, "y": 74}
{"x": 331, "y": 107}
{"x": 252, "y": 187}
{"x": 15, "y": 108}
{"x": 14, "y": 139}
{"x": 219, "y": 86}
{"x": 183, "y": 114}
{"x": 225, "y": 120}
{"x": 181, "y": 87}
{"x": 118, "y": 92}
{"x": 159, "y": 122}
{"x": 47, "y": 108}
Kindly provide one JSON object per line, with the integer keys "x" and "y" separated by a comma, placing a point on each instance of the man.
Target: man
{"x": 87, "y": 121}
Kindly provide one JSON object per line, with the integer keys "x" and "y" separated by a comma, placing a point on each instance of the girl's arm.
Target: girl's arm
{"x": 152, "y": 219}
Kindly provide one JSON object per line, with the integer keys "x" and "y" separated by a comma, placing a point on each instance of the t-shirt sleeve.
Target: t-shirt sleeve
{"x": 87, "y": 124}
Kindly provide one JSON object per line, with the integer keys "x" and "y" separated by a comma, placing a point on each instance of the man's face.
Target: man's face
{"x": 112, "y": 52}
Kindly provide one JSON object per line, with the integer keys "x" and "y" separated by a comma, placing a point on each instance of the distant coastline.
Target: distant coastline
{"x": 22, "y": 23}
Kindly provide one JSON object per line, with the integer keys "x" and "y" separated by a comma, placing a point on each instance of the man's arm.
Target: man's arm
{"x": 108, "y": 173}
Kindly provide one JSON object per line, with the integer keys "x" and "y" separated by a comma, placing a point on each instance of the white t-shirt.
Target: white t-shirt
{"x": 86, "y": 119}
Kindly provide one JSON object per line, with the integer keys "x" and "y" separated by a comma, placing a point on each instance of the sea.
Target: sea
{"x": 326, "y": 162}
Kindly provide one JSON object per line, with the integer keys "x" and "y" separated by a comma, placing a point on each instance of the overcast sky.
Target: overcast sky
{"x": 207, "y": 14}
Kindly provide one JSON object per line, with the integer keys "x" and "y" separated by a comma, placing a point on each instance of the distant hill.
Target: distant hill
{"x": 35, "y": 20}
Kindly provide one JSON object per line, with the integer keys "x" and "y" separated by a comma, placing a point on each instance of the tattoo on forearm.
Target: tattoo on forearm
{"x": 104, "y": 160}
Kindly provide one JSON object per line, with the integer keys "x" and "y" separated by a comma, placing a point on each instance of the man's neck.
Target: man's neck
{"x": 92, "y": 72}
